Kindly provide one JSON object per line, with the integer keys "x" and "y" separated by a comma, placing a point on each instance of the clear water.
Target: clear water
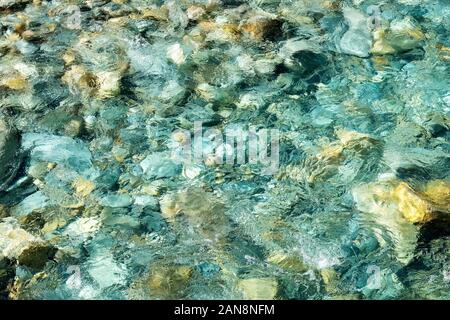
{"x": 95, "y": 204}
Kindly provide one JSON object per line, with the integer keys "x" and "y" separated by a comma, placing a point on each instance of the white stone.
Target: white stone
{"x": 191, "y": 171}
{"x": 105, "y": 271}
{"x": 108, "y": 84}
{"x": 116, "y": 200}
{"x": 33, "y": 202}
{"x": 176, "y": 54}
{"x": 357, "y": 40}
{"x": 83, "y": 227}
{"x": 13, "y": 239}
{"x": 194, "y": 13}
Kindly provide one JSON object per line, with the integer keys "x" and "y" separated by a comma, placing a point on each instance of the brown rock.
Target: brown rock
{"x": 261, "y": 28}
{"x": 36, "y": 256}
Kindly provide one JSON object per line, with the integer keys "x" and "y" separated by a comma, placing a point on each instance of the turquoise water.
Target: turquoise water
{"x": 351, "y": 199}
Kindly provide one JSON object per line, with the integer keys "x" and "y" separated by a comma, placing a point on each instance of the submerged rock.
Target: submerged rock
{"x": 401, "y": 36}
{"x": 9, "y": 153}
{"x": 202, "y": 211}
{"x": 10, "y": 3}
{"x": 95, "y": 98}
{"x": 34, "y": 202}
{"x": 105, "y": 271}
{"x": 13, "y": 239}
{"x": 159, "y": 165}
{"x": 357, "y": 40}
{"x": 116, "y": 200}
{"x": 399, "y": 209}
{"x": 162, "y": 282}
{"x": 262, "y": 27}
{"x": 62, "y": 150}
{"x": 259, "y": 288}
{"x": 36, "y": 256}
{"x": 28, "y": 250}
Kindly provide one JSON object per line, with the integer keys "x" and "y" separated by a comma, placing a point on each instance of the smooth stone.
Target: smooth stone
{"x": 31, "y": 203}
{"x": 159, "y": 165}
{"x": 13, "y": 239}
{"x": 36, "y": 256}
{"x": 17, "y": 243}
{"x": 382, "y": 208}
{"x": 146, "y": 201}
{"x": 357, "y": 40}
{"x": 105, "y": 271}
{"x": 58, "y": 149}
{"x": 116, "y": 201}
{"x": 259, "y": 288}
{"x": 164, "y": 281}
{"x": 83, "y": 228}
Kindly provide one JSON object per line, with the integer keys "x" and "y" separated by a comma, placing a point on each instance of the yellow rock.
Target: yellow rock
{"x": 167, "y": 282}
{"x": 328, "y": 275}
{"x": 331, "y": 153}
{"x": 75, "y": 205}
{"x": 15, "y": 82}
{"x": 74, "y": 128}
{"x": 54, "y": 224}
{"x": 295, "y": 18}
{"x": 444, "y": 52}
{"x": 78, "y": 78}
{"x": 330, "y": 280}
{"x": 13, "y": 37}
{"x": 224, "y": 32}
{"x": 153, "y": 189}
{"x": 4, "y": 211}
{"x": 169, "y": 205}
{"x": 413, "y": 208}
{"x": 203, "y": 210}
{"x": 83, "y": 187}
{"x": 51, "y": 27}
{"x": 68, "y": 57}
{"x": 380, "y": 61}
{"x": 29, "y": 35}
{"x": 401, "y": 209}
{"x": 259, "y": 288}
{"x": 331, "y": 5}
{"x": 184, "y": 273}
{"x": 438, "y": 192}
{"x": 108, "y": 84}
{"x": 404, "y": 34}
{"x": 207, "y": 26}
{"x": 161, "y": 13}
{"x": 51, "y": 166}
{"x": 272, "y": 236}
{"x": 287, "y": 262}
{"x": 13, "y": 239}
{"x": 380, "y": 46}
{"x": 380, "y": 207}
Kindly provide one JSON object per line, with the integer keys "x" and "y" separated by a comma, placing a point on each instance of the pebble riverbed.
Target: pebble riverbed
{"x": 95, "y": 202}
